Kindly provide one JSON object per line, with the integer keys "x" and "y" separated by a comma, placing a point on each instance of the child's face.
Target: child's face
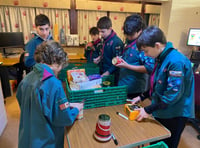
{"x": 105, "y": 32}
{"x": 151, "y": 51}
{"x": 43, "y": 31}
{"x": 94, "y": 37}
{"x": 134, "y": 36}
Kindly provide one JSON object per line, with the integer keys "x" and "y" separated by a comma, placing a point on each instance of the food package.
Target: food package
{"x": 89, "y": 84}
{"x": 85, "y": 85}
{"x": 69, "y": 76}
{"x": 79, "y": 76}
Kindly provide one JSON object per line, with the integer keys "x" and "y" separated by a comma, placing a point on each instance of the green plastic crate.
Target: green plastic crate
{"x": 160, "y": 144}
{"x": 99, "y": 97}
{"x": 90, "y": 68}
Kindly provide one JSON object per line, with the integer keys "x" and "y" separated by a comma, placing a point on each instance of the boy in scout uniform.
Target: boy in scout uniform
{"x": 92, "y": 49}
{"x": 134, "y": 65}
{"x": 112, "y": 47}
{"x": 172, "y": 85}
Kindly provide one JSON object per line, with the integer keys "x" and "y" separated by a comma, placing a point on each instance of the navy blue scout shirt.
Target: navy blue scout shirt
{"x": 44, "y": 108}
{"x": 112, "y": 47}
{"x": 173, "y": 85}
{"x": 91, "y": 54}
{"x": 135, "y": 81}
{"x": 30, "y": 48}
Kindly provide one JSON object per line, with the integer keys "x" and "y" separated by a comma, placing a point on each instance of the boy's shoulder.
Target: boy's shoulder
{"x": 35, "y": 39}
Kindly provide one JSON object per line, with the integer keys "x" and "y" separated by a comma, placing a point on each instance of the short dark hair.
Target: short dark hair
{"x": 41, "y": 20}
{"x": 50, "y": 52}
{"x": 133, "y": 24}
{"x": 104, "y": 23}
{"x": 150, "y": 36}
{"x": 94, "y": 31}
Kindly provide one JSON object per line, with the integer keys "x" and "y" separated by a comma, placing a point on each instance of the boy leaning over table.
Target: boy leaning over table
{"x": 45, "y": 110}
{"x": 172, "y": 85}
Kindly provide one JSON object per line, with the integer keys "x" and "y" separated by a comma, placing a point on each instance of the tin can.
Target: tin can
{"x": 103, "y": 132}
{"x": 80, "y": 115}
{"x": 116, "y": 60}
{"x": 106, "y": 83}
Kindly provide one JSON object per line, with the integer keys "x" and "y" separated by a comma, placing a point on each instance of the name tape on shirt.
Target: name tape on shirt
{"x": 26, "y": 54}
{"x": 118, "y": 47}
{"x": 175, "y": 73}
{"x": 64, "y": 105}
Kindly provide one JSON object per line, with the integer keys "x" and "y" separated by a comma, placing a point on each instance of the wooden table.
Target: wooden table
{"x": 10, "y": 61}
{"x": 128, "y": 133}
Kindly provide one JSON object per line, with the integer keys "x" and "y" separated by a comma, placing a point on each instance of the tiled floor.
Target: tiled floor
{"x": 10, "y": 135}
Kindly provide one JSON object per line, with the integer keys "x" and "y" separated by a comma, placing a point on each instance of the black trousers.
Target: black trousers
{"x": 176, "y": 127}
{"x": 4, "y": 75}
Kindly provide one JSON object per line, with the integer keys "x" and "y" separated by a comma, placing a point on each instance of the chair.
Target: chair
{"x": 20, "y": 69}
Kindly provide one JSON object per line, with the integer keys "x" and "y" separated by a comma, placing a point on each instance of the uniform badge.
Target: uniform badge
{"x": 64, "y": 105}
{"x": 175, "y": 73}
{"x": 118, "y": 47}
{"x": 111, "y": 42}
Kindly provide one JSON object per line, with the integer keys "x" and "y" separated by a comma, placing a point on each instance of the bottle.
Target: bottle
{"x": 62, "y": 37}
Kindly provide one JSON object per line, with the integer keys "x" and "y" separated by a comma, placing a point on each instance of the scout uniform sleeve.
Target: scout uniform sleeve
{"x": 87, "y": 54}
{"x": 148, "y": 62}
{"x": 29, "y": 54}
{"x": 174, "y": 83}
{"x": 62, "y": 114}
{"x": 173, "y": 90}
{"x": 117, "y": 51}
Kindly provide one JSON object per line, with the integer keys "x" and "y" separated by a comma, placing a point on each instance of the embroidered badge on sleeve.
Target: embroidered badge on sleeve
{"x": 175, "y": 73}
{"x": 64, "y": 105}
{"x": 118, "y": 47}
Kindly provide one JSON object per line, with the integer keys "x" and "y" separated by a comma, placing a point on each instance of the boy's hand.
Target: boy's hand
{"x": 142, "y": 114}
{"x": 122, "y": 64}
{"x": 97, "y": 60}
{"x": 79, "y": 106}
{"x": 135, "y": 100}
{"x": 105, "y": 74}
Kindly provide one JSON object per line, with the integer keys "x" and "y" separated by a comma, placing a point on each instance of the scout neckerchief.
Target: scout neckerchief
{"x": 94, "y": 43}
{"x": 128, "y": 46}
{"x": 158, "y": 60}
{"x": 112, "y": 34}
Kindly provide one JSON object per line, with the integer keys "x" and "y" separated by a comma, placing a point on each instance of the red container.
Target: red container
{"x": 116, "y": 60}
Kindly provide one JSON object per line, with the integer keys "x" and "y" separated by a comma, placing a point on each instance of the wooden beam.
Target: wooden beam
{"x": 143, "y": 9}
{"x": 73, "y": 18}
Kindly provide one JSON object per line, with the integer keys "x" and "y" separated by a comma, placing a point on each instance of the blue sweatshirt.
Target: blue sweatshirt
{"x": 30, "y": 48}
{"x": 173, "y": 85}
{"x": 135, "y": 81}
{"x": 112, "y": 47}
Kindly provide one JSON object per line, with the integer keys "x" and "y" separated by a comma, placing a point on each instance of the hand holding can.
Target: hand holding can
{"x": 116, "y": 60}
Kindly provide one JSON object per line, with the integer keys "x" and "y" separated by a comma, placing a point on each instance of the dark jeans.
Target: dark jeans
{"x": 176, "y": 127}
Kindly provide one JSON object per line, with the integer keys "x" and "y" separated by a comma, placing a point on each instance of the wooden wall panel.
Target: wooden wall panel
{"x": 176, "y": 19}
{"x": 152, "y": 8}
{"x": 108, "y": 6}
{"x": 65, "y": 4}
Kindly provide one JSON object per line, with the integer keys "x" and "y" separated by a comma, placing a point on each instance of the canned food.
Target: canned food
{"x": 116, "y": 60}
